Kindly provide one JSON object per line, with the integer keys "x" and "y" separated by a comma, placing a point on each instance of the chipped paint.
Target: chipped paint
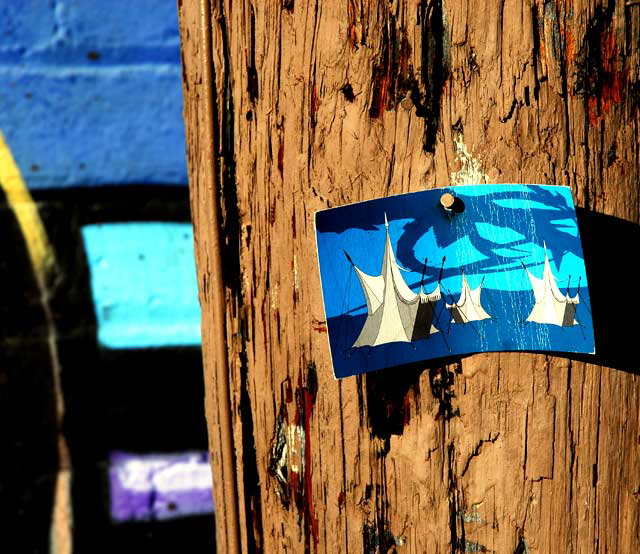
{"x": 394, "y": 81}
{"x": 290, "y": 453}
{"x": 569, "y": 43}
{"x": 278, "y": 458}
{"x": 295, "y": 443}
{"x": 305, "y": 400}
{"x": 281, "y": 154}
{"x": 377, "y": 540}
{"x": 523, "y": 547}
{"x": 471, "y": 168}
{"x": 470, "y": 546}
{"x": 614, "y": 77}
{"x": 601, "y": 74}
{"x": 315, "y": 104}
{"x": 295, "y": 274}
{"x": 471, "y": 517}
{"x": 319, "y": 326}
{"x": 352, "y": 35}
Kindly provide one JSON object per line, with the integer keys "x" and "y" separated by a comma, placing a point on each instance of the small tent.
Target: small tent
{"x": 394, "y": 312}
{"x": 468, "y": 307}
{"x": 551, "y": 306}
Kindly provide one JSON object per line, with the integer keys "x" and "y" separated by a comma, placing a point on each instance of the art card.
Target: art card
{"x": 483, "y": 268}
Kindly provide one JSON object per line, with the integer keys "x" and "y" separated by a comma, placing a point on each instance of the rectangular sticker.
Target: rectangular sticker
{"x": 453, "y": 271}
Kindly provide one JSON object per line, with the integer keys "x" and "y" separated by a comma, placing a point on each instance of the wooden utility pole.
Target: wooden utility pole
{"x": 294, "y": 106}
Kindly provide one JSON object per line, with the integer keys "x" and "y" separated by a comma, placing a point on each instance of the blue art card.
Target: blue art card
{"x": 453, "y": 271}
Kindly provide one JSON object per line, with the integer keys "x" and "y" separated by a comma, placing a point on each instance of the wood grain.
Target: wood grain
{"x": 295, "y": 106}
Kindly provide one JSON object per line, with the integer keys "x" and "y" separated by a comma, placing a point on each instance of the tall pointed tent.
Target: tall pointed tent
{"x": 468, "y": 307}
{"x": 394, "y": 312}
{"x": 551, "y": 306}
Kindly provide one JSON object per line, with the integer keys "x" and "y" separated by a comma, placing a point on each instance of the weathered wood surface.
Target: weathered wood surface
{"x": 295, "y": 106}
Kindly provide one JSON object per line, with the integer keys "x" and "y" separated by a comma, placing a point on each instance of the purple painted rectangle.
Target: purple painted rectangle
{"x": 159, "y": 486}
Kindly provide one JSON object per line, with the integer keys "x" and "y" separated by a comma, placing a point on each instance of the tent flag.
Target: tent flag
{"x": 394, "y": 312}
{"x": 551, "y": 306}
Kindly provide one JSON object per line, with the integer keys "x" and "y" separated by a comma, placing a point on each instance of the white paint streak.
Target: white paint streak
{"x": 165, "y": 474}
{"x": 295, "y": 443}
{"x": 471, "y": 170}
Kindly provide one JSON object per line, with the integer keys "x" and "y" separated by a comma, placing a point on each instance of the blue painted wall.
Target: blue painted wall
{"x": 90, "y": 92}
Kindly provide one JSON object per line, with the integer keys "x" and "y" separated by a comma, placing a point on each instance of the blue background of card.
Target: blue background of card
{"x": 500, "y": 227}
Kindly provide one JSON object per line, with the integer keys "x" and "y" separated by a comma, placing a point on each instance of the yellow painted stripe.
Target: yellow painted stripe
{"x": 26, "y": 212}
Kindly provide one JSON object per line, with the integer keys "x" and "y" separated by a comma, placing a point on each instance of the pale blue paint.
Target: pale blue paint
{"x": 499, "y": 235}
{"x": 143, "y": 282}
{"x": 523, "y": 204}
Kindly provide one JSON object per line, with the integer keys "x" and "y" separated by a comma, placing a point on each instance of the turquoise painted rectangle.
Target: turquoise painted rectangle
{"x": 143, "y": 283}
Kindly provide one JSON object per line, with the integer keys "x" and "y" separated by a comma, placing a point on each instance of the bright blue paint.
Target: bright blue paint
{"x": 75, "y": 121}
{"x": 122, "y": 23}
{"x": 25, "y": 25}
{"x": 64, "y": 31}
{"x": 80, "y": 126}
{"x": 143, "y": 282}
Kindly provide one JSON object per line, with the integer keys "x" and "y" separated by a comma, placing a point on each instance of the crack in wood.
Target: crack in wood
{"x": 476, "y": 451}
{"x": 224, "y": 122}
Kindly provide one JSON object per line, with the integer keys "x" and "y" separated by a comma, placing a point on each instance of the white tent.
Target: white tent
{"x": 394, "y": 312}
{"x": 468, "y": 307}
{"x": 551, "y": 306}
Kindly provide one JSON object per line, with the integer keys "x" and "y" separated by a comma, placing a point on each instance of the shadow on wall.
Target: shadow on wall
{"x": 134, "y": 416}
{"x": 29, "y": 460}
{"x": 609, "y": 243}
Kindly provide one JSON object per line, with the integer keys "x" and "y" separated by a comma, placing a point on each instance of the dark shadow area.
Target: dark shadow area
{"x": 162, "y": 537}
{"x": 387, "y": 393}
{"x": 139, "y": 401}
{"x": 610, "y": 245}
{"x": 119, "y": 203}
{"x": 29, "y": 460}
{"x": 28, "y": 451}
{"x": 144, "y": 401}
{"x": 21, "y": 313}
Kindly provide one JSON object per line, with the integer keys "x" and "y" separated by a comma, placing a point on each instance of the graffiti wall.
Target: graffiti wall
{"x": 101, "y": 394}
